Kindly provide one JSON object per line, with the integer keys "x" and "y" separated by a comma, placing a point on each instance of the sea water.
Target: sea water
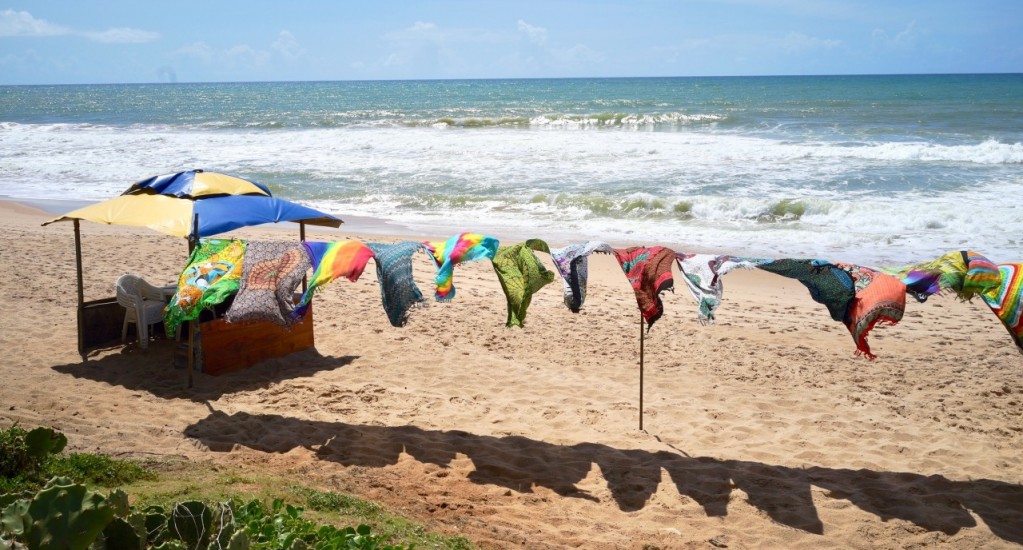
{"x": 868, "y": 169}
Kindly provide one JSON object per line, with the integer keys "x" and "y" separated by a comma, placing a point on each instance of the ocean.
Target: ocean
{"x": 865, "y": 169}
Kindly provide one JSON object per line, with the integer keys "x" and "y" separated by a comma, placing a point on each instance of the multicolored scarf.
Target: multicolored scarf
{"x": 649, "y": 273}
{"x": 330, "y": 261}
{"x": 1007, "y": 303}
{"x": 571, "y": 262}
{"x": 464, "y": 247}
{"x": 210, "y": 277}
{"x": 859, "y": 297}
{"x": 521, "y": 274}
{"x": 271, "y": 273}
{"x": 926, "y": 279}
{"x": 880, "y": 299}
{"x": 398, "y": 289}
{"x": 702, "y": 274}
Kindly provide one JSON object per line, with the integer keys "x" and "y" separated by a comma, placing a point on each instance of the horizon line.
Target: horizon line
{"x": 464, "y": 79}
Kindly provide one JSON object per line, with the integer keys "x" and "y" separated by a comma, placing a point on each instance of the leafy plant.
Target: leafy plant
{"x": 66, "y": 515}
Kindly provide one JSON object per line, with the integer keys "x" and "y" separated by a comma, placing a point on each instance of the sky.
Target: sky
{"x": 76, "y": 42}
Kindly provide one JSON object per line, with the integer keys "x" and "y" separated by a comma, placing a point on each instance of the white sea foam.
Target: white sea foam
{"x": 708, "y": 189}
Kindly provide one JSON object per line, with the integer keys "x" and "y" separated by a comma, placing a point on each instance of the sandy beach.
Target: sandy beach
{"x": 762, "y": 430}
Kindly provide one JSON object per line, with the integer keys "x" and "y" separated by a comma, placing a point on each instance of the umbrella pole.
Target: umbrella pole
{"x": 641, "y": 338}
{"x": 301, "y": 237}
{"x": 81, "y": 289}
{"x": 193, "y": 241}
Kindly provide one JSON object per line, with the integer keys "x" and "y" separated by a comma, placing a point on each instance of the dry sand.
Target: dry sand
{"x": 762, "y": 431}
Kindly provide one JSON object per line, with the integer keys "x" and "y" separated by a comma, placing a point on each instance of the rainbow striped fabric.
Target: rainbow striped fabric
{"x": 1007, "y": 302}
{"x": 330, "y": 261}
{"x": 464, "y": 247}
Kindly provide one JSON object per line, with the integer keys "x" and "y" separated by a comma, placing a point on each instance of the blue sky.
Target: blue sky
{"x": 74, "y": 41}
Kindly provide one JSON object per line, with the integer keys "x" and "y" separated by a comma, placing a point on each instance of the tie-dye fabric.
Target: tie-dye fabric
{"x": 649, "y": 273}
{"x": 464, "y": 247}
{"x": 983, "y": 277}
{"x": 571, "y": 262}
{"x": 926, "y": 279}
{"x": 330, "y": 261}
{"x": 702, "y": 274}
{"x": 398, "y": 289}
{"x": 879, "y": 299}
{"x": 271, "y": 273}
{"x": 521, "y": 275}
{"x": 211, "y": 276}
{"x": 1007, "y": 302}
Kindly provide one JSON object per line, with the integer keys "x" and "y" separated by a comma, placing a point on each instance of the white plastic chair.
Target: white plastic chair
{"x": 143, "y": 305}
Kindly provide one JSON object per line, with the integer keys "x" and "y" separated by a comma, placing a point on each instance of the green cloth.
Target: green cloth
{"x": 212, "y": 274}
{"x": 521, "y": 274}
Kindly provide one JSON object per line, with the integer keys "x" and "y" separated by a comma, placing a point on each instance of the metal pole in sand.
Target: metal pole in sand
{"x": 641, "y": 338}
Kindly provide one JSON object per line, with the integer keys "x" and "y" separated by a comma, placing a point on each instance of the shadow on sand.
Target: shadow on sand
{"x": 519, "y": 463}
{"x": 153, "y": 371}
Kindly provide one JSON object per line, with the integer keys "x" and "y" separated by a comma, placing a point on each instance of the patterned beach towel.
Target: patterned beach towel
{"x": 1007, "y": 303}
{"x": 330, "y": 261}
{"x": 571, "y": 262}
{"x": 649, "y": 273}
{"x": 464, "y": 247}
{"x": 210, "y": 277}
{"x": 880, "y": 299}
{"x": 270, "y": 274}
{"x": 702, "y": 274}
{"x": 398, "y": 289}
{"x": 521, "y": 275}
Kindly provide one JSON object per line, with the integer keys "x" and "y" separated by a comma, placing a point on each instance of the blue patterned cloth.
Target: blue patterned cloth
{"x": 394, "y": 272}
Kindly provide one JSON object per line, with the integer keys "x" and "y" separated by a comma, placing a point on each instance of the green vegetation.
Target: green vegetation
{"x": 179, "y": 504}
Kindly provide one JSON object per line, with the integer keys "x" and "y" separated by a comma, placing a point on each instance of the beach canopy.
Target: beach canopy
{"x": 170, "y": 203}
{"x": 217, "y": 214}
{"x": 197, "y": 183}
{"x": 191, "y": 204}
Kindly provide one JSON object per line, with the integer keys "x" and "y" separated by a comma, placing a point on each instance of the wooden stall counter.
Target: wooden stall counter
{"x": 227, "y": 347}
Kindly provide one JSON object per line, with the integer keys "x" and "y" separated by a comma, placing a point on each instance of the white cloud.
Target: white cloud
{"x": 121, "y": 35}
{"x": 287, "y": 46}
{"x": 21, "y": 23}
{"x": 903, "y": 40}
{"x": 799, "y": 42}
{"x": 537, "y": 35}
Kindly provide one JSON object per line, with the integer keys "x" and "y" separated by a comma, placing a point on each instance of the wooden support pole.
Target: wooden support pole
{"x": 81, "y": 290}
{"x": 301, "y": 237}
{"x": 193, "y": 242}
{"x": 642, "y": 336}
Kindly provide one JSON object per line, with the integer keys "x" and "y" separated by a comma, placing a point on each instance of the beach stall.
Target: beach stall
{"x": 194, "y": 204}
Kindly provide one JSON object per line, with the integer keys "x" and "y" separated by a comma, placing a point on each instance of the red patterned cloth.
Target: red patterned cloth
{"x": 649, "y": 273}
{"x": 880, "y": 298}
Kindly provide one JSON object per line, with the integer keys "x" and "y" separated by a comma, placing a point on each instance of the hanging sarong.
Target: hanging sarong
{"x": 880, "y": 299}
{"x": 571, "y": 262}
{"x": 702, "y": 274}
{"x": 828, "y": 284}
{"x": 330, "y": 261}
{"x": 926, "y": 279}
{"x": 649, "y": 273}
{"x": 1007, "y": 303}
{"x": 398, "y": 289}
{"x": 272, "y": 272}
{"x": 210, "y": 277}
{"x": 464, "y": 247}
{"x": 521, "y": 274}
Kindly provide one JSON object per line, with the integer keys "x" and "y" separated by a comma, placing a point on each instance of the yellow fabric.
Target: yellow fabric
{"x": 213, "y": 183}
{"x": 168, "y": 215}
